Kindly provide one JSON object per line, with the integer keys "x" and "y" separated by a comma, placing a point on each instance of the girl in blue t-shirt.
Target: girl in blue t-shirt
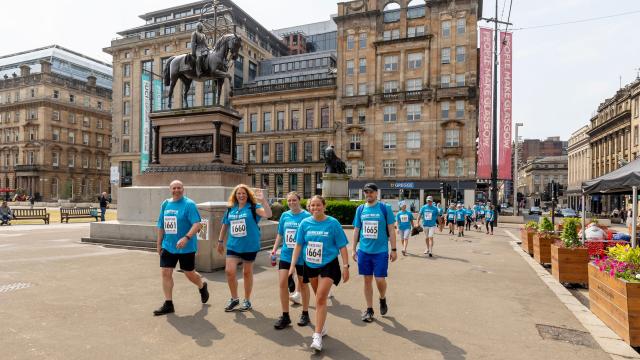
{"x": 404, "y": 223}
{"x": 242, "y": 235}
{"x": 287, "y": 229}
{"x": 489, "y": 218}
{"x": 321, "y": 239}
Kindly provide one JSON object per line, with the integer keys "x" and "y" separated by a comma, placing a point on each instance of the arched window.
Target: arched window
{"x": 391, "y": 12}
{"x": 416, "y": 9}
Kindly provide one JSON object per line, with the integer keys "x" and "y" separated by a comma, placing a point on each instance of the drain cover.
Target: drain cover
{"x": 571, "y": 336}
{"x": 13, "y": 287}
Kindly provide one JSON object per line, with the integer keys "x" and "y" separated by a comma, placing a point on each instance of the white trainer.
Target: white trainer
{"x": 316, "y": 344}
{"x": 296, "y": 298}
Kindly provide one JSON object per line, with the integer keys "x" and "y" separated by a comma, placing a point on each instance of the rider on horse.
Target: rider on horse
{"x": 199, "y": 49}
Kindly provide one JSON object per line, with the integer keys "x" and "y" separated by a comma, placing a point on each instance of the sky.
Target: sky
{"x": 560, "y": 74}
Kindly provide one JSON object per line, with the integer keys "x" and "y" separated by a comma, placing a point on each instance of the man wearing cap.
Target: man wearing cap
{"x": 373, "y": 230}
{"x": 429, "y": 213}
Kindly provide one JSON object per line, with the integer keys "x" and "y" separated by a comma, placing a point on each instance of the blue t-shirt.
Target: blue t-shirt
{"x": 371, "y": 224}
{"x": 451, "y": 214}
{"x": 440, "y": 211}
{"x": 460, "y": 215}
{"x": 404, "y": 219}
{"x": 488, "y": 215}
{"x": 287, "y": 229}
{"x": 243, "y": 233}
{"x": 428, "y": 214}
{"x": 468, "y": 212}
{"x": 321, "y": 241}
{"x": 176, "y": 219}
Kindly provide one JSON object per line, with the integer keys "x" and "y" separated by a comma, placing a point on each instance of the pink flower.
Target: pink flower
{"x": 612, "y": 273}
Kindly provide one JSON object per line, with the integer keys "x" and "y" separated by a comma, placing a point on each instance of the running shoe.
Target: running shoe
{"x": 283, "y": 322}
{"x": 383, "y": 306}
{"x": 430, "y": 254}
{"x": 304, "y": 320}
{"x": 232, "y": 304}
{"x": 246, "y": 305}
{"x": 296, "y": 298}
{"x": 166, "y": 308}
{"x": 367, "y": 316}
{"x": 204, "y": 293}
{"x": 316, "y": 343}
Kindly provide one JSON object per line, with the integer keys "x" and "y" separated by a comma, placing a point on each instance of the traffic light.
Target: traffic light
{"x": 520, "y": 196}
{"x": 560, "y": 191}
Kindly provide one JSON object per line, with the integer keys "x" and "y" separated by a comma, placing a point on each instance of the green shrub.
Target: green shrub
{"x": 545, "y": 225}
{"x": 569, "y": 234}
{"x": 531, "y": 225}
{"x": 343, "y": 210}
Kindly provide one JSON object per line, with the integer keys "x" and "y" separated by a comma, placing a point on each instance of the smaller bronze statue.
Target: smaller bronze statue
{"x": 199, "y": 49}
{"x": 332, "y": 163}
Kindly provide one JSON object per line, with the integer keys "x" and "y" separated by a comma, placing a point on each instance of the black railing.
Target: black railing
{"x": 285, "y": 86}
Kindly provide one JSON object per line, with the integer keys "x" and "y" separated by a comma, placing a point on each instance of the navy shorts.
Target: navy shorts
{"x": 283, "y": 265}
{"x": 373, "y": 264}
{"x": 460, "y": 223}
{"x": 246, "y": 256}
{"x": 330, "y": 270}
{"x": 170, "y": 260}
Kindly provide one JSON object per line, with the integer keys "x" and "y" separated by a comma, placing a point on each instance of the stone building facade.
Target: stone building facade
{"x": 579, "y": 166}
{"x": 536, "y": 173}
{"x": 55, "y": 124}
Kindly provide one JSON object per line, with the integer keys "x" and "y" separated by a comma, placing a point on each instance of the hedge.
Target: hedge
{"x": 343, "y": 210}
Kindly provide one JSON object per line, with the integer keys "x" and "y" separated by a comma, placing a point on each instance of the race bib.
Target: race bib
{"x": 370, "y": 229}
{"x": 428, "y": 216}
{"x": 314, "y": 252}
{"x": 290, "y": 238}
{"x": 404, "y": 218}
{"x": 170, "y": 225}
{"x": 238, "y": 228}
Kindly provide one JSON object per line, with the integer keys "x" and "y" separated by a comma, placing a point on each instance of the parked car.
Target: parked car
{"x": 535, "y": 210}
{"x": 568, "y": 213}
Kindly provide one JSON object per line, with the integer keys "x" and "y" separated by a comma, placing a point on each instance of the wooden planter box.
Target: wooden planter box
{"x": 542, "y": 247}
{"x": 527, "y": 240}
{"x": 569, "y": 265}
{"x": 617, "y": 303}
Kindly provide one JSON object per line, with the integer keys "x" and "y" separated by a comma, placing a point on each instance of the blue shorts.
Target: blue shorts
{"x": 373, "y": 264}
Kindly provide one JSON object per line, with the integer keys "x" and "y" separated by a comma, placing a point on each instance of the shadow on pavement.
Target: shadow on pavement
{"x": 333, "y": 348}
{"x": 424, "y": 339}
{"x": 346, "y": 312}
{"x": 263, "y": 326}
{"x": 436, "y": 257}
{"x": 196, "y": 326}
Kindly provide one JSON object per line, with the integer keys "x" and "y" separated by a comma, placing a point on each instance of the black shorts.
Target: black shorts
{"x": 169, "y": 260}
{"x": 247, "y": 256}
{"x": 331, "y": 270}
{"x": 450, "y": 222}
{"x": 460, "y": 223}
{"x": 283, "y": 265}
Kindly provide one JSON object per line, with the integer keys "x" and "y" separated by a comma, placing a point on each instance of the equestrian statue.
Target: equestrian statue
{"x": 202, "y": 63}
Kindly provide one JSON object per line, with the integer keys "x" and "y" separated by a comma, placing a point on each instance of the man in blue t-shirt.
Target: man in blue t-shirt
{"x": 373, "y": 230}
{"x": 429, "y": 214}
{"x": 460, "y": 215}
{"x": 178, "y": 224}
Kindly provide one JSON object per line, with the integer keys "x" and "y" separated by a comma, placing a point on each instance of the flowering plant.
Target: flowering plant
{"x": 621, "y": 261}
{"x": 531, "y": 225}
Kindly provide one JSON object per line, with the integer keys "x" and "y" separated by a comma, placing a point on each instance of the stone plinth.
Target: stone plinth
{"x": 335, "y": 186}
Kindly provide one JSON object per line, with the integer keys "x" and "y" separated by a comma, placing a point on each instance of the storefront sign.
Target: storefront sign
{"x": 403, "y": 185}
{"x": 279, "y": 170}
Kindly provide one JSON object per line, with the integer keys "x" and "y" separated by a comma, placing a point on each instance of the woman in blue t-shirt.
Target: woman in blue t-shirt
{"x": 287, "y": 229}
{"x": 320, "y": 239}
{"x": 489, "y": 217}
{"x": 242, "y": 234}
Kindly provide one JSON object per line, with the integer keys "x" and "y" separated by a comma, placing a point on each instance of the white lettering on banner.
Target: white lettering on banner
{"x": 370, "y": 229}
{"x": 504, "y": 146}
{"x": 314, "y": 252}
{"x": 290, "y": 238}
{"x": 238, "y": 228}
{"x": 485, "y": 104}
{"x": 170, "y": 225}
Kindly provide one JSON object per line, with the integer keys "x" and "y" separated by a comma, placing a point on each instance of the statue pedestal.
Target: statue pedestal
{"x": 335, "y": 186}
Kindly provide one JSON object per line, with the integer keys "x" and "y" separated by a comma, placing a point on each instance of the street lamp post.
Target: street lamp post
{"x": 515, "y": 172}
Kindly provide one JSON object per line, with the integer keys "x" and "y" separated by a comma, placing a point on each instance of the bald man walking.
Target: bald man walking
{"x": 178, "y": 224}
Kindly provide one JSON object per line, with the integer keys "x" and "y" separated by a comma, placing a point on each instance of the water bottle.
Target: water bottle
{"x": 274, "y": 259}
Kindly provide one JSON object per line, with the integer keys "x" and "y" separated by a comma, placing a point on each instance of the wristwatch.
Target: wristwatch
{"x": 188, "y": 237}
{"x": 393, "y": 249}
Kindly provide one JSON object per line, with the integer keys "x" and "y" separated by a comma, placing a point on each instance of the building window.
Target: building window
{"x": 295, "y": 119}
{"x": 415, "y": 61}
{"x": 348, "y": 116}
{"x": 99, "y": 123}
{"x": 445, "y": 81}
{"x": 446, "y": 29}
{"x": 362, "y": 115}
{"x": 239, "y": 154}
{"x": 414, "y": 112}
{"x": 126, "y": 70}
{"x": 253, "y": 71}
{"x": 460, "y": 53}
{"x": 324, "y": 118}
{"x": 265, "y": 153}
{"x": 71, "y": 160}
{"x": 125, "y": 127}
{"x": 293, "y": 151}
{"x": 33, "y": 114}
{"x": 412, "y": 168}
{"x": 293, "y": 182}
{"x": 266, "y": 121}
{"x": 459, "y": 109}
{"x": 350, "y": 42}
{"x": 362, "y": 40}
{"x": 149, "y": 34}
{"x": 413, "y": 140}
{"x": 348, "y": 90}
{"x": 362, "y": 66}
{"x": 349, "y": 168}
{"x": 56, "y": 94}
{"x": 390, "y": 113}
{"x": 279, "y": 152}
{"x": 355, "y": 142}
{"x": 389, "y": 141}
{"x": 126, "y": 108}
{"x": 71, "y": 137}
{"x": 391, "y": 12}
{"x": 362, "y": 89}
{"x": 361, "y": 168}
{"x": 55, "y": 159}
{"x": 306, "y": 186}
{"x": 414, "y": 31}
{"x": 460, "y": 81}
{"x": 388, "y": 168}
{"x": 55, "y": 135}
{"x": 86, "y": 122}
{"x": 444, "y": 167}
{"x": 635, "y": 135}
{"x": 308, "y": 151}
{"x": 208, "y": 93}
{"x": 461, "y": 26}
{"x": 308, "y": 121}
{"x": 414, "y": 85}
{"x": 446, "y": 55}
{"x": 72, "y": 98}
{"x": 391, "y": 34}
{"x": 444, "y": 110}
{"x": 98, "y": 162}
{"x": 55, "y": 115}
{"x": 252, "y": 153}
{"x": 452, "y": 138}
{"x": 99, "y": 140}
{"x": 85, "y": 162}
{"x": 390, "y": 87}
{"x": 191, "y": 95}
{"x": 459, "y": 167}
{"x": 85, "y": 139}
{"x": 169, "y": 30}
{"x": 253, "y": 123}
{"x": 322, "y": 145}
{"x": 391, "y": 63}
{"x": 349, "y": 67}
{"x": 280, "y": 121}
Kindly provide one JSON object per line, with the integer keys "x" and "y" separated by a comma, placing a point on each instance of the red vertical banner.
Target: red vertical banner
{"x": 485, "y": 110}
{"x": 504, "y": 136}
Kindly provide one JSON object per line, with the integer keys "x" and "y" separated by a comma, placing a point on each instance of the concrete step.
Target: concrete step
{"x": 138, "y": 244}
{"x": 111, "y": 246}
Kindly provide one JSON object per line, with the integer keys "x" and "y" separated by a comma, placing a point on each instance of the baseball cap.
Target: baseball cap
{"x": 429, "y": 198}
{"x": 401, "y": 203}
{"x": 370, "y": 186}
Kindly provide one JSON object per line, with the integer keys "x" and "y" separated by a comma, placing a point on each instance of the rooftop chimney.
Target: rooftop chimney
{"x": 91, "y": 80}
{"x": 45, "y": 66}
{"x": 25, "y": 70}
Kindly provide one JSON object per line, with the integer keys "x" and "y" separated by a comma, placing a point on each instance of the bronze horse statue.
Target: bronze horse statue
{"x": 183, "y": 66}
